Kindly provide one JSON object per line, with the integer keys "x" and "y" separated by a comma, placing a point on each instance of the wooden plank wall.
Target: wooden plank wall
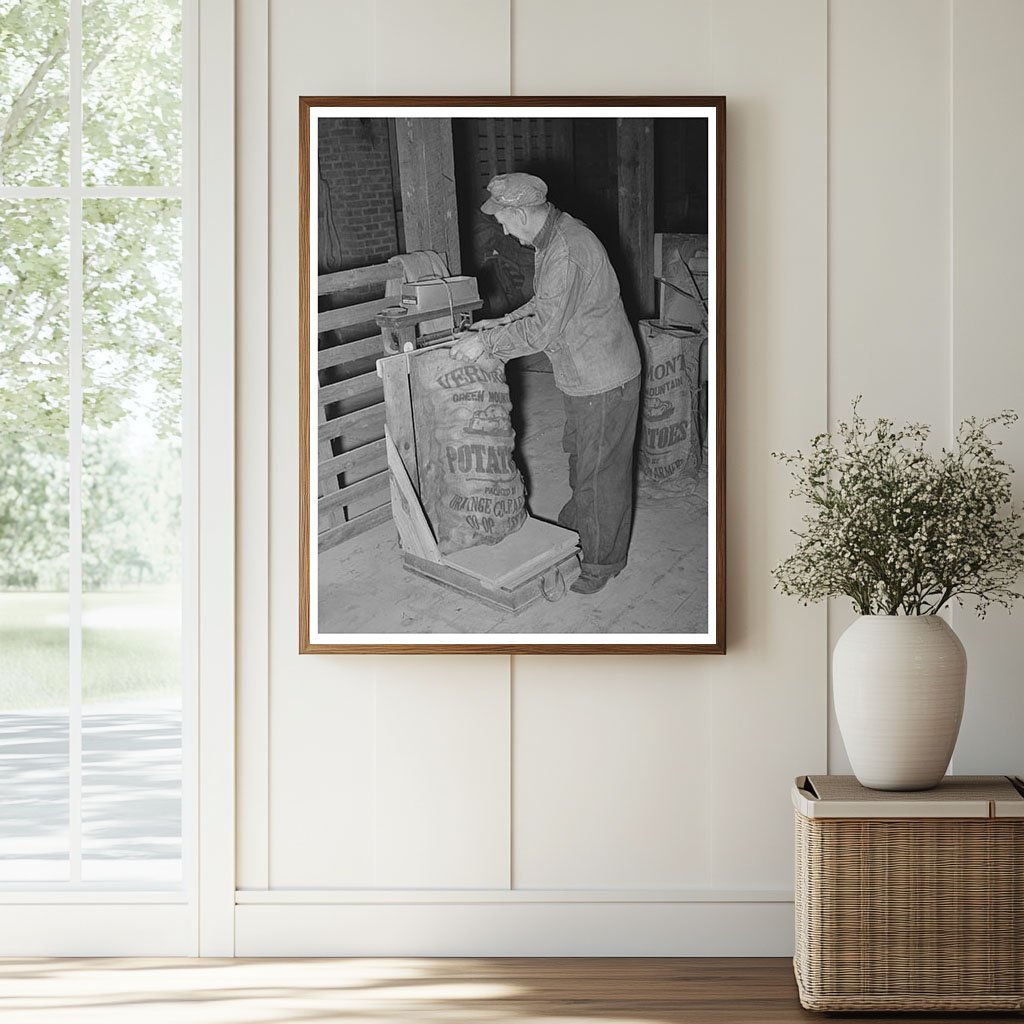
{"x": 353, "y": 485}
{"x": 486, "y": 147}
{"x": 520, "y": 143}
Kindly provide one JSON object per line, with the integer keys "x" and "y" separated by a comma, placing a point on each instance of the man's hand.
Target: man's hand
{"x": 469, "y": 348}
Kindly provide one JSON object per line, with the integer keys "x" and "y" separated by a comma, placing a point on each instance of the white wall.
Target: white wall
{"x": 545, "y": 805}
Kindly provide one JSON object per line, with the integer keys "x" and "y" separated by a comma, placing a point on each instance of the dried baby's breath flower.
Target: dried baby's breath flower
{"x": 897, "y": 529}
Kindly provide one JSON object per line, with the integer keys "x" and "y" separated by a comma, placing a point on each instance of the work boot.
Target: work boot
{"x": 588, "y": 583}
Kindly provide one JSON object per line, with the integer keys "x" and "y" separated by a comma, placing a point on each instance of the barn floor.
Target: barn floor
{"x": 363, "y": 587}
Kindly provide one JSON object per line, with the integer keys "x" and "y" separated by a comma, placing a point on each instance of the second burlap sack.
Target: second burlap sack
{"x": 671, "y": 447}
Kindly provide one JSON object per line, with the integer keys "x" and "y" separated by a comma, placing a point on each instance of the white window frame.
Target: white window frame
{"x": 216, "y": 393}
{"x": 50, "y": 919}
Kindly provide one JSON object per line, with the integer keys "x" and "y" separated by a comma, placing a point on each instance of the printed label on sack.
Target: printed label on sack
{"x": 670, "y": 450}
{"x": 472, "y": 488}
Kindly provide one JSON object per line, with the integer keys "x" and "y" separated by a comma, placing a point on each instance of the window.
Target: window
{"x": 96, "y": 469}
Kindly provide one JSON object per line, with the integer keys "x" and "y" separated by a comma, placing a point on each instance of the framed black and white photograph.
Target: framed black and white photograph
{"x": 511, "y": 372}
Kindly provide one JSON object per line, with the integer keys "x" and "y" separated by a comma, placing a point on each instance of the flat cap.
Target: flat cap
{"x": 509, "y": 190}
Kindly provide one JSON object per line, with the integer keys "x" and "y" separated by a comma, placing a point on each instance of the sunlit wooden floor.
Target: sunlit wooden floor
{"x": 413, "y": 991}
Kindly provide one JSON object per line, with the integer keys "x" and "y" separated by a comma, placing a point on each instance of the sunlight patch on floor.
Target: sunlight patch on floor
{"x": 188, "y": 991}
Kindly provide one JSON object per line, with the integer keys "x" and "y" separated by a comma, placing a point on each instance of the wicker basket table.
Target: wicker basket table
{"x": 910, "y": 901}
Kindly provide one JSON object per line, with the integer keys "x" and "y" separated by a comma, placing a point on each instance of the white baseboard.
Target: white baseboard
{"x": 99, "y": 928}
{"x": 514, "y": 928}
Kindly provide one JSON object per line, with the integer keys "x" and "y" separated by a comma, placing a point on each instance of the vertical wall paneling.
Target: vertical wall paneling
{"x": 597, "y": 802}
{"x": 321, "y": 708}
{"x": 442, "y": 48}
{"x": 323, "y": 761}
{"x": 443, "y": 723}
{"x": 612, "y": 775}
{"x": 442, "y": 774}
{"x": 252, "y": 462}
{"x": 987, "y": 366}
{"x": 328, "y": 727}
{"x": 848, "y": 273}
{"x": 889, "y": 213}
{"x": 769, "y": 692}
{"x": 579, "y": 48}
{"x": 216, "y": 295}
{"x": 888, "y": 223}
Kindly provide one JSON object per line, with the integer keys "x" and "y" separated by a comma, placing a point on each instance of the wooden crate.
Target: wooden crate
{"x": 681, "y": 270}
{"x": 352, "y": 474}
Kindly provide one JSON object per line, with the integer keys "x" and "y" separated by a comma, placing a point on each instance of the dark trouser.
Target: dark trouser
{"x": 599, "y": 434}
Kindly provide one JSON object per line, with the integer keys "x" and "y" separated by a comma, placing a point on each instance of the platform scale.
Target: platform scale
{"x": 536, "y": 562}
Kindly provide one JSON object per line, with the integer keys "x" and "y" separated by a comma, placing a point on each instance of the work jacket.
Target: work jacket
{"x": 575, "y": 315}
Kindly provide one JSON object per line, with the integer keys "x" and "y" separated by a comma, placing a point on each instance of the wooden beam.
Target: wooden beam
{"x": 394, "y": 371}
{"x": 427, "y": 168}
{"x": 370, "y": 457}
{"x": 346, "y": 495}
{"x": 349, "y": 316}
{"x": 635, "y": 139}
{"x": 365, "y": 419}
{"x": 342, "y": 389}
{"x": 414, "y": 531}
{"x": 357, "y": 277}
{"x": 354, "y": 527}
{"x": 341, "y": 354}
{"x": 325, "y": 451}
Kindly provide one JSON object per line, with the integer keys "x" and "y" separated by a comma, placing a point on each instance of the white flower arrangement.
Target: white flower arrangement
{"x": 899, "y": 530}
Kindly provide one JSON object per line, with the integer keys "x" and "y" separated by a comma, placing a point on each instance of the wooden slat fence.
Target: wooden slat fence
{"x": 354, "y": 491}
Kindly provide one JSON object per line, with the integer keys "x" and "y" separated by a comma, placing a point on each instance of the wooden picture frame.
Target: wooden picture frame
{"x": 384, "y": 177}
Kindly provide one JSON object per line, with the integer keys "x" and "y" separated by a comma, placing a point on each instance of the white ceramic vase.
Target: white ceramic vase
{"x": 898, "y": 685}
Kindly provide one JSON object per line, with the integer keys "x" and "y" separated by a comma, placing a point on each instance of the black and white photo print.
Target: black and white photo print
{"x": 511, "y": 375}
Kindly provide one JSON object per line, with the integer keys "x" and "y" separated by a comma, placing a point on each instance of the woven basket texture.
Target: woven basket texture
{"x": 912, "y": 914}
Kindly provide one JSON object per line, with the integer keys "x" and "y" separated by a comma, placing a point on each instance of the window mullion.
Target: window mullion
{"x": 75, "y": 303}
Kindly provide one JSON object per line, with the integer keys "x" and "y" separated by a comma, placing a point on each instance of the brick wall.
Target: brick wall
{"x": 355, "y": 167}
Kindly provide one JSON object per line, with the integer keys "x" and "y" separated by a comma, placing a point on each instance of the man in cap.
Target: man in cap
{"x": 576, "y": 318}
